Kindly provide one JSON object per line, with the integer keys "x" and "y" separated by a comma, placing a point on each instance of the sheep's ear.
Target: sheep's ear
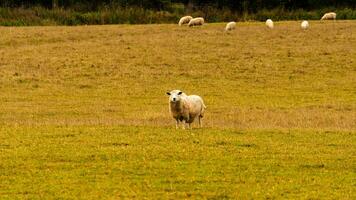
{"x": 169, "y": 93}
{"x": 179, "y": 93}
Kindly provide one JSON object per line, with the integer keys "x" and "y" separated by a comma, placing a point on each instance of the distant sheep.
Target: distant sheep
{"x": 269, "y": 23}
{"x": 196, "y": 21}
{"x": 184, "y": 20}
{"x": 305, "y": 25}
{"x": 186, "y": 108}
{"x": 230, "y": 26}
{"x": 330, "y": 15}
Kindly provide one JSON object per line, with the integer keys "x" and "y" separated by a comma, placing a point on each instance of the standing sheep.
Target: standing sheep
{"x": 196, "y": 21}
{"x": 329, "y": 15}
{"x": 185, "y": 108}
{"x": 269, "y": 23}
{"x": 184, "y": 20}
{"x": 230, "y": 26}
{"x": 305, "y": 25}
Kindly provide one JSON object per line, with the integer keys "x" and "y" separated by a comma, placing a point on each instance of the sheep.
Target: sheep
{"x": 185, "y": 108}
{"x": 269, "y": 23}
{"x": 184, "y": 20}
{"x": 329, "y": 15}
{"x": 230, "y": 26}
{"x": 196, "y": 21}
{"x": 305, "y": 25}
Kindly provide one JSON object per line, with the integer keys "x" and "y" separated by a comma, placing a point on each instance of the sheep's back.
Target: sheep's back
{"x": 196, "y": 21}
{"x": 196, "y": 104}
{"x": 184, "y": 20}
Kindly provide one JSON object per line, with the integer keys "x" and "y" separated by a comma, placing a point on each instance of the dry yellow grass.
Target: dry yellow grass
{"x": 251, "y": 78}
{"x": 72, "y": 97}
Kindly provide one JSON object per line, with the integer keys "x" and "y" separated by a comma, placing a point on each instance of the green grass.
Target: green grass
{"x": 91, "y": 162}
{"x": 84, "y": 113}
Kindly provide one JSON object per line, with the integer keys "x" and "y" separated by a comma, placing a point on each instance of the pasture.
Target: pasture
{"x": 84, "y": 111}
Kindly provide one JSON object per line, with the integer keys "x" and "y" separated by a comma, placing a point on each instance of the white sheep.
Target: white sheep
{"x": 184, "y": 20}
{"x": 304, "y": 24}
{"x": 269, "y": 23}
{"x": 329, "y": 15}
{"x": 186, "y": 108}
{"x": 230, "y": 26}
{"x": 196, "y": 21}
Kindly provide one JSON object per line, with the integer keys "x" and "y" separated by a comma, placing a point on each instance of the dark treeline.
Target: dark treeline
{"x": 233, "y": 5}
{"x": 77, "y": 12}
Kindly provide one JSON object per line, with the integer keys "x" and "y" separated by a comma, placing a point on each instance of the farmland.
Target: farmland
{"x": 84, "y": 111}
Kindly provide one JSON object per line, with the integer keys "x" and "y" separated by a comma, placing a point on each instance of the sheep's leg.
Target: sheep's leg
{"x": 183, "y": 123}
{"x": 177, "y": 123}
{"x": 190, "y": 126}
{"x": 200, "y": 122}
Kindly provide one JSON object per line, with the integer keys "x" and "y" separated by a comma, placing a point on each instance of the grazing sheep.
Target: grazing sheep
{"x": 305, "y": 25}
{"x": 230, "y": 26}
{"x": 329, "y": 15}
{"x": 184, "y": 20}
{"x": 269, "y": 23}
{"x": 185, "y": 108}
{"x": 196, "y": 21}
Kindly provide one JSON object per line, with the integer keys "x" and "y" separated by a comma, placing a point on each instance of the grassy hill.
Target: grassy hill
{"x": 84, "y": 111}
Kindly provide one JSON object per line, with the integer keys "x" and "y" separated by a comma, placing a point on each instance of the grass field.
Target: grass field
{"x": 84, "y": 112}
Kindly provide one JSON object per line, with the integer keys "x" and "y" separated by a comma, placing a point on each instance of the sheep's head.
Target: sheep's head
{"x": 175, "y": 96}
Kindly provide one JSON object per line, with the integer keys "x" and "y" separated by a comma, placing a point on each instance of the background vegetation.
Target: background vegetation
{"x": 69, "y": 12}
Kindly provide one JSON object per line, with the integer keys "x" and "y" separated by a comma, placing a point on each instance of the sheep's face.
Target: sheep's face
{"x": 175, "y": 96}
